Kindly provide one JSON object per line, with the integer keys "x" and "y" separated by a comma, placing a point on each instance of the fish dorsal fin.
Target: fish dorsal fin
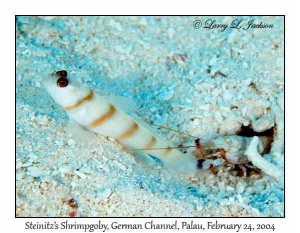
{"x": 150, "y": 128}
{"x": 123, "y": 103}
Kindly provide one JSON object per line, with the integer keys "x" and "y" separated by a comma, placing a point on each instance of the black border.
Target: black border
{"x": 100, "y": 217}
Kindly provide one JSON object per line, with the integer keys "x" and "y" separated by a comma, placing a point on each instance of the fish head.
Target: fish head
{"x": 63, "y": 89}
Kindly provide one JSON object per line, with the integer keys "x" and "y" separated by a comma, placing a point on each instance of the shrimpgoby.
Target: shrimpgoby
{"x": 101, "y": 116}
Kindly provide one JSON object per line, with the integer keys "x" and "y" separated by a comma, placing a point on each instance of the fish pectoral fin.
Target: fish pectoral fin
{"x": 80, "y": 133}
{"x": 145, "y": 159}
{"x": 140, "y": 157}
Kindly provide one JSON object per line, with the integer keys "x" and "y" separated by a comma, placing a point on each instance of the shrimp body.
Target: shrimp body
{"x": 235, "y": 147}
{"x": 88, "y": 109}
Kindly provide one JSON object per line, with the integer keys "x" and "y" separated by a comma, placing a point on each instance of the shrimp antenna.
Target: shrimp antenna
{"x": 179, "y": 132}
{"x": 164, "y": 127}
{"x": 174, "y": 147}
{"x": 164, "y": 148}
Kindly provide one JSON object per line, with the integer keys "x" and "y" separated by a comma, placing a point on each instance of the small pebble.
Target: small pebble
{"x": 105, "y": 193}
{"x": 42, "y": 119}
{"x": 240, "y": 187}
{"x": 20, "y": 175}
{"x": 59, "y": 142}
{"x": 196, "y": 121}
{"x": 166, "y": 95}
{"x": 64, "y": 169}
{"x": 38, "y": 84}
{"x": 110, "y": 210}
{"x": 280, "y": 62}
{"x": 19, "y": 77}
{"x": 34, "y": 171}
{"x": 80, "y": 174}
{"x": 264, "y": 123}
{"x": 143, "y": 21}
{"x": 231, "y": 36}
{"x": 204, "y": 107}
{"x": 133, "y": 209}
{"x": 19, "y": 164}
{"x": 213, "y": 60}
{"x": 32, "y": 156}
{"x": 71, "y": 142}
{"x": 159, "y": 120}
{"x": 154, "y": 109}
{"x": 121, "y": 166}
{"x": 218, "y": 116}
{"x": 249, "y": 190}
{"x": 28, "y": 164}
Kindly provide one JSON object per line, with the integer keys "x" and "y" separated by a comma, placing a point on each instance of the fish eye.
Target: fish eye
{"x": 62, "y": 73}
{"x": 62, "y": 82}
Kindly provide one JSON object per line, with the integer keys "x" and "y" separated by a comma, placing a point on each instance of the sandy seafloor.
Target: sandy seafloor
{"x": 174, "y": 72}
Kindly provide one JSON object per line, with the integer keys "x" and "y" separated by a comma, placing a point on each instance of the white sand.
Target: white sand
{"x": 162, "y": 63}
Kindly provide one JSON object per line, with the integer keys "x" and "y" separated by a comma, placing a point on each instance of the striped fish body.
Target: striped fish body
{"x": 92, "y": 111}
